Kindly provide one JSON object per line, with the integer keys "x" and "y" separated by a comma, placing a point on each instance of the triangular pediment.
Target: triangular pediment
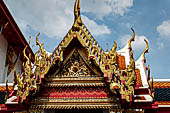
{"x": 76, "y": 63}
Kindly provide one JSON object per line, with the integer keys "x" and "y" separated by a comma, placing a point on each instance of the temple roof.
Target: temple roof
{"x": 79, "y": 68}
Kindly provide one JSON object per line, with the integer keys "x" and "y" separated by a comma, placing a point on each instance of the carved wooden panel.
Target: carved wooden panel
{"x": 75, "y": 67}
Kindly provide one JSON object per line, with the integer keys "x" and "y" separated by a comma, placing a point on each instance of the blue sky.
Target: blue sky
{"x": 107, "y": 20}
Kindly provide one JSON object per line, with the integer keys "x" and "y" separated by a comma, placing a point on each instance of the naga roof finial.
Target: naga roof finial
{"x": 77, "y": 20}
{"x": 78, "y": 7}
{"x": 79, "y": 17}
{"x": 146, "y": 49}
{"x": 114, "y": 46}
{"x": 75, "y": 10}
{"x": 132, "y": 39}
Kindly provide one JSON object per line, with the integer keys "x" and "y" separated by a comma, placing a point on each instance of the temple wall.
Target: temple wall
{"x": 3, "y": 69}
{"x": 3, "y": 50}
{"x": 17, "y": 67}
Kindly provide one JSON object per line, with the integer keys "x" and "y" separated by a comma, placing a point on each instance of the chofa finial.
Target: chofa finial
{"x": 75, "y": 10}
{"x": 77, "y": 19}
{"x": 132, "y": 39}
{"x": 146, "y": 49}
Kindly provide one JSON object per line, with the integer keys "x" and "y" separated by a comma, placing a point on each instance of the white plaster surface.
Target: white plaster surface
{"x": 3, "y": 50}
{"x": 3, "y": 69}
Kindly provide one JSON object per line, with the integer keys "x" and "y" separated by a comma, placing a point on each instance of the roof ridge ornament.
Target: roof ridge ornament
{"x": 132, "y": 39}
{"x": 113, "y": 48}
{"x": 146, "y": 49}
{"x": 75, "y": 11}
{"x": 77, "y": 16}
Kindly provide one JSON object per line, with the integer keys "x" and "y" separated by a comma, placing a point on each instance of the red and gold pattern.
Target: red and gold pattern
{"x": 75, "y": 92}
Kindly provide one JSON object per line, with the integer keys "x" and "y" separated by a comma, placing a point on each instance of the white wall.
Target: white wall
{"x": 17, "y": 67}
{"x": 3, "y": 69}
{"x": 3, "y": 50}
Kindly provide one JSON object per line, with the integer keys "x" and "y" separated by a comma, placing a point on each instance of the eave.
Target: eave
{"x": 12, "y": 30}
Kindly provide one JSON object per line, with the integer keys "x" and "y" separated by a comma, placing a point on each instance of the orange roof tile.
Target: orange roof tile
{"x": 161, "y": 84}
{"x": 3, "y": 88}
{"x": 121, "y": 62}
{"x": 164, "y": 102}
{"x": 138, "y": 77}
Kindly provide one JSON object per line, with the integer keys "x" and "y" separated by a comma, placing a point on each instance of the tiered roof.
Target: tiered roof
{"x": 84, "y": 71}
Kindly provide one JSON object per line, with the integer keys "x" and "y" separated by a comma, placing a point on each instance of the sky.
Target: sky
{"x": 107, "y": 20}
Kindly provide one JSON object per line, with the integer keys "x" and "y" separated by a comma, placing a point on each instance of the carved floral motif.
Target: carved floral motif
{"x": 75, "y": 67}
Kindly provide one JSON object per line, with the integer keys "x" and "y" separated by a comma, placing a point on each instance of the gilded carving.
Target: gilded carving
{"x": 75, "y": 67}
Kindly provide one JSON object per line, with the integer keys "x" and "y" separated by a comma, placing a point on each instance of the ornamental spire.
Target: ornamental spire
{"x": 132, "y": 39}
{"x": 75, "y": 10}
{"x": 78, "y": 7}
{"x": 77, "y": 19}
{"x": 146, "y": 49}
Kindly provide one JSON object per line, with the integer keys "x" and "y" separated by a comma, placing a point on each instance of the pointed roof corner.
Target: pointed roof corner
{"x": 77, "y": 19}
{"x": 80, "y": 31}
{"x": 146, "y": 49}
{"x": 75, "y": 10}
{"x": 132, "y": 39}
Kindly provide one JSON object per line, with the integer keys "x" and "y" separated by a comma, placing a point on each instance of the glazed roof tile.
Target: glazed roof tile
{"x": 161, "y": 84}
{"x": 164, "y": 102}
{"x": 3, "y": 88}
{"x": 121, "y": 62}
{"x": 162, "y": 94}
{"x": 2, "y": 97}
{"x": 138, "y": 77}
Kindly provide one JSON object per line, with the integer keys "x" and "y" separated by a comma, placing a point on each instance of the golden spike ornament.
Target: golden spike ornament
{"x": 4, "y": 26}
{"x": 75, "y": 10}
{"x": 27, "y": 59}
{"x": 79, "y": 17}
{"x": 15, "y": 79}
{"x": 38, "y": 43}
{"x": 7, "y": 91}
{"x": 148, "y": 78}
{"x": 77, "y": 20}
{"x": 113, "y": 48}
{"x": 132, "y": 39}
{"x": 42, "y": 61}
{"x": 146, "y": 49}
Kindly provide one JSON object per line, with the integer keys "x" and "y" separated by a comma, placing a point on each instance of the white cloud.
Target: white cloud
{"x": 164, "y": 29}
{"x": 94, "y": 28}
{"x": 138, "y": 44}
{"x": 52, "y": 18}
{"x": 103, "y": 8}
{"x": 120, "y": 6}
{"x": 160, "y": 45}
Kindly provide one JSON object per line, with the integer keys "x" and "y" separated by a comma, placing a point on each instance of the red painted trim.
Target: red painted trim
{"x": 144, "y": 105}
{"x": 11, "y": 107}
{"x": 141, "y": 91}
{"x": 16, "y": 28}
